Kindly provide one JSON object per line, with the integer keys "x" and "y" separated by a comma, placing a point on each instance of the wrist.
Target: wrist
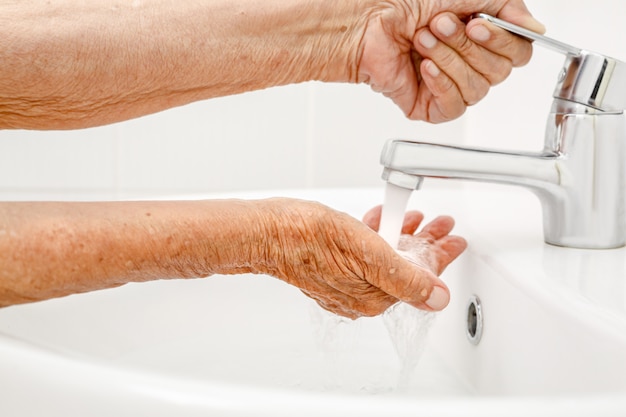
{"x": 288, "y": 228}
{"x": 338, "y": 47}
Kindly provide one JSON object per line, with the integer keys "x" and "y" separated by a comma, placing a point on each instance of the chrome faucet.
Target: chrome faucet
{"x": 579, "y": 175}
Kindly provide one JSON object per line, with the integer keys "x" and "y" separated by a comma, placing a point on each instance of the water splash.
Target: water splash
{"x": 408, "y": 329}
{"x": 335, "y": 337}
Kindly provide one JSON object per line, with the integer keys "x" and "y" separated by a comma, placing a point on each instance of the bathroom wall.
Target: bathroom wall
{"x": 308, "y": 135}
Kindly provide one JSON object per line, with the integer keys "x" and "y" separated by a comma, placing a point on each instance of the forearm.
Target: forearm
{"x": 77, "y": 64}
{"x": 55, "y": 249}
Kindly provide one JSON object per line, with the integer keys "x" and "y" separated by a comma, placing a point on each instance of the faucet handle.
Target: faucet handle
{"x": 532, "y": 36}
{"x": 587, "y": 78}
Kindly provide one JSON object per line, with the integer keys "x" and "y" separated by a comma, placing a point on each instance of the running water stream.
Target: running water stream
{"x": 407, "y": 326}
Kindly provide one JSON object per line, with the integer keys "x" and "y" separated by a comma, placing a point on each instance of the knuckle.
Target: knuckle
{"x": 446, "y": 59}
{"x": 445, "y": 87}
{"x": 465, "y": 46}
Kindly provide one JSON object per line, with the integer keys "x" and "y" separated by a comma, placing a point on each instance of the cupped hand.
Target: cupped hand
{"x": 348, "y": 268}
{"x": 432, "y": 62}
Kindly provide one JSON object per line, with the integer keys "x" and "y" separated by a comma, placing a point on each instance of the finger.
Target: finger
{"x": 498, "y": 42}
{"x": 430, "y": 253}
{"x": 412, "y": 284}
{"x": 347, "y": 297}
{"x": 412, "y": 220}
{"x": 372, "y": 218}
{"x": 419, "y": 287}
{"x": 438, "y": 228}
{"x": 491, "y": 59}
{"x": 453, "y": 247}
{"x": 515, "y": 11}
{"x": 472, "y": 84}
{"x": 441, "y": 100}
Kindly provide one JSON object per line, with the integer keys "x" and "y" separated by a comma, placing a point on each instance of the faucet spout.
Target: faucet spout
{"x": 579, "y": 176}
{"x": 535, "y": 170}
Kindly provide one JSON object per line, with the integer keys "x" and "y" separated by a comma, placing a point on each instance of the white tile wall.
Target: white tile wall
{"x": 308, "y": 135}
{"x": 250, "y": 141}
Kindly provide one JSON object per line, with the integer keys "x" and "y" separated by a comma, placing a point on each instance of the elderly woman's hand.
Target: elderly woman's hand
{"x": 347, "y": 268}
{"x": 55, "y": 249}
{"x": 431, "y": 62}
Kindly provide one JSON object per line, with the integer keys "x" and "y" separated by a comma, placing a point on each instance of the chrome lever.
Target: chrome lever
{"x": 542, "y": 40}
{"x": 588, "y": 78}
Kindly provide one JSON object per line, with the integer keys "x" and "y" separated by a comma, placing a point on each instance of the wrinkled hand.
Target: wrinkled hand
{"x": 348, "y": 268}
{"x": 423, "y": 55}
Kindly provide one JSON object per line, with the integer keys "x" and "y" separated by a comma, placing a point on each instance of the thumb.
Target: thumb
{"x": 416, "y": 285}
{"x": 516, "y": 12}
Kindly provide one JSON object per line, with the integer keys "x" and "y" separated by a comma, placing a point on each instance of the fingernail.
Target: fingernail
{"x": 438, "y": 299}
{"x": 446, "y": 26}
{"x": 427, "y": 39}
{"x": 479, "y": 33}
{"x": 432, "y": 68}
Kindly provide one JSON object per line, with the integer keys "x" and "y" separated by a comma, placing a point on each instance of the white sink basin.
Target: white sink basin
{"x": 553, "y": 340}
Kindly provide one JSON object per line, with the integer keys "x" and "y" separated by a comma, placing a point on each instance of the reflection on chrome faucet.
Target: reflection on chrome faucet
{"x": 579, "y": 176}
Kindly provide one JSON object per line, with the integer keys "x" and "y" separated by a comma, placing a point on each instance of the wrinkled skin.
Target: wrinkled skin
{"x": 348, "y": 269}
{"x": 424, "y": 54}
{"x": 432, "y": 62}
{"x": 54, "y": 249}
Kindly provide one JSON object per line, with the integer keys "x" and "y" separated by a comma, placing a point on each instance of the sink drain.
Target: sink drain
{"x": 474, "y": 329}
